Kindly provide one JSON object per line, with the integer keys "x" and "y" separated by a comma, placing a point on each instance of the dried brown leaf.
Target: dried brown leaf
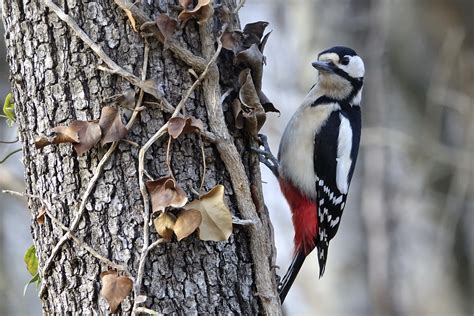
{"x": 216, "y": 222}
{"x": 89, "y": 135}
{"x": 267, "y": 105}
{"x": 237, "y": 111}
{"x": 232, "y": 41}
{"x": 41, "y": 141}
{"x": 184, "y": 125}
{"x": 256, "y": 29}
{"x": 166, "y": 25}
{"x": 253, "y": 112}
{"x": 264, "y": 42}
{"x": 66, "y": 134}
{"x": 40, "y": 216}
{"x": 131, "y": 19}
{"x": 185, "y": 3}
{"x": 165, "y": 192}
{"x": 187, "y": 222}
{"x": 115, "y": 288}
{"x": 164, "y": 225}
{"x": 176, "y": 126}
{"x": 253, "y": 59}
{"x": 111, "y": 125}
{"x": 203, "y": 11}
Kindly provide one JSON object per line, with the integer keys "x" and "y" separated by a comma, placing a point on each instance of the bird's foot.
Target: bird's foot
{"x": 265, "y": 155}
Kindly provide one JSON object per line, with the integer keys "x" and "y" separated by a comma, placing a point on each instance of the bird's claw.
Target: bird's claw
{"x": 265, "y": 156}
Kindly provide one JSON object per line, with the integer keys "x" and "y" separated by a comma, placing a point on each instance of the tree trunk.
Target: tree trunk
{"x": 55, "y": 79}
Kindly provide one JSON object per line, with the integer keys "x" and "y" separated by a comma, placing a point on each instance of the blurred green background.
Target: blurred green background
{"x": 406, "y": 243}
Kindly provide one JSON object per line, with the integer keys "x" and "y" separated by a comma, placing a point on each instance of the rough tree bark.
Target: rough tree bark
{"x": 55, "y": 79}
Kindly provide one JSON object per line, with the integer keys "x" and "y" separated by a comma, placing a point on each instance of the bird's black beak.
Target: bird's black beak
{"x": 325, "y": 66}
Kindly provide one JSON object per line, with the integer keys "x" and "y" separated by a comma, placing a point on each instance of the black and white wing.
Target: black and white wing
{"x": 336, "y": 147}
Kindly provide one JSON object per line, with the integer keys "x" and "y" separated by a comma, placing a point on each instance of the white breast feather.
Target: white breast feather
{"x": 344, "y": 147}
{"x": 297, "y": 144}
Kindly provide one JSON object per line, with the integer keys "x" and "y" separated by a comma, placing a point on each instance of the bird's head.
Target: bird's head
{"x": 341, "y": 73}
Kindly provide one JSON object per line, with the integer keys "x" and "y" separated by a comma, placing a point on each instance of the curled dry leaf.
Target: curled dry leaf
{"x": 40, "y": 216}
{"x": 111, "y": 125}
{"x": 115, "y": 288}
{"x": 255, "y": 31}
{"x": 82, "y": 134}
{"x": 165, "y": 192}
{"x": 185, "y": 3}
{"x": 253, "y": 59}
{"x": 166, "y": 25}
{"x": 203, "y": 11}
{"x": 233, "y": 41}
{"x": 267, "y": 105}
{"x": 184, "y": 125}
{"x": 89, "y": 135}
{"x": 216, "y": 222}
{"x": 237, "y": 111}
{"x": 187, "y": 222}
{"x": 253, "y": 111}
{"x": 164, "y": 225}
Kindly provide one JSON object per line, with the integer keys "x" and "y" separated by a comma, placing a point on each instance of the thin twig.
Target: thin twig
{"x": 113, "y": 67}
{"x": 185, "y": 55}
{"x": 148, "y": 311}
{"x": 85, "y": 246}
{"x": 258, "y": 234}
{"x": 9, "y": 142}
{"x": 9, "y": 155}
{"x": 239, "y": 6}
{"x": 141, "y": 170}
{"x": 203, "y": 153}
{"x": 243, "y": 222}
{"x": 90, "y": 186}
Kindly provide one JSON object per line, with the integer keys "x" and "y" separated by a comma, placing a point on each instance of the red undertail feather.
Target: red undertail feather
{"x": 305, "y": 218}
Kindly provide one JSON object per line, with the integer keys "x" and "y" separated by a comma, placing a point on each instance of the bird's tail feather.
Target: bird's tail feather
{"x": 291, "y": 274}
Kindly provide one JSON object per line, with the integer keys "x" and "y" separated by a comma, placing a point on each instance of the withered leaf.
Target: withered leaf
{"x": 256, "y": 29}
{"x": 66, "y": 134}
{"x": 111, "y": 125}
{"x": 166, "y": 25}
{"x": 216, "y": 222}
{"x": 184, "y": 125}
{"x": 185, "y": 3}
{"x": 89, "y": 135}
{"x": 202, "y": 11}
{"x": 237, "y": 111}
{"x": 253, "y": 59}
{"x": 164, "y": 225}
{"x": 253, "y": 113}
{"x": 82, "y": 134}
{"x": 63, "y": 134}
{"x": 266, "y": 103}
{"x": 264, "y": 41}
{"x": 165, "y": 192}
{"x": 187, "y": 222}
{"x": 40, "y": 216}
{"x": 115, "y": 288}
{"x": 232, "y": 41}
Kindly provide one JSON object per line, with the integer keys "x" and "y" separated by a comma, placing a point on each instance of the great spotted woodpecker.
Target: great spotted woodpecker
{"x": 317, "y": 156}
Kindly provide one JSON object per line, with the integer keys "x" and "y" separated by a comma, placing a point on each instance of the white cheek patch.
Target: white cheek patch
{"x": 355, "y": 68}
{"x": 344, "y": 162}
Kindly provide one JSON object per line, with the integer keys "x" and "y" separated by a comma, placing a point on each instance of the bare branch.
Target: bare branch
{"x": 90, "y": 186}
{"x": 196, "y": 62}
{"x": 86, "y": 247}
{"x": 258, "y": 233}
{"x": 113, "y": 67}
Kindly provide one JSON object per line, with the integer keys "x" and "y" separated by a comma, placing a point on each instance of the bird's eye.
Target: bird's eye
{"x": 345, "y": 60}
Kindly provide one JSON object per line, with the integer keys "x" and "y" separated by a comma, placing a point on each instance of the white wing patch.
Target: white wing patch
{"x": 344, "y": 147}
